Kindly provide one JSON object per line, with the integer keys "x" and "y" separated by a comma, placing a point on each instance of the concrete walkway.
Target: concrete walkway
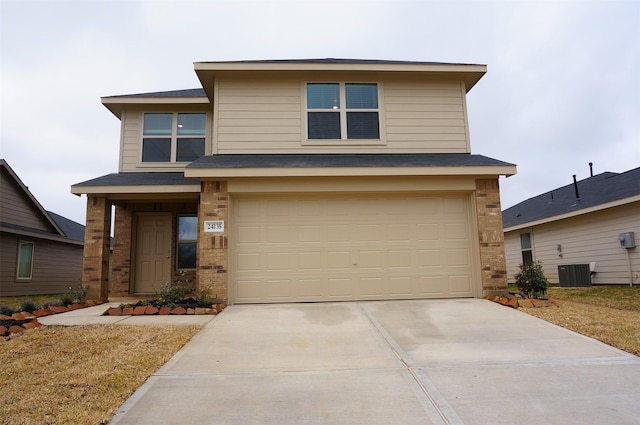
{"x": 397, "y": 362}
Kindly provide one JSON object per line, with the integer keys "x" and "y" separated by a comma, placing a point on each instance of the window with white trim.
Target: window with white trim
{"x": 526, "y": 248}
{"x": 173, "y": 137}
{"x": 343, "y": 111}
{"x": 25, "y": 260}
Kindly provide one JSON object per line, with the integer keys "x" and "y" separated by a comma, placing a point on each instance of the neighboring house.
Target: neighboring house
{"x": 301, "y": 180}
{"x": 579, "y": 224}
{"x": 40, "y": 251}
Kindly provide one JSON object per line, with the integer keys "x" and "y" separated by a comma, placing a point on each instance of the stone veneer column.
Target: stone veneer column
{"x": 95, "y": 267}
{"x": 213, "y": 247}
{"x": 121, "y": 256}
{"x": 491, "y": 235}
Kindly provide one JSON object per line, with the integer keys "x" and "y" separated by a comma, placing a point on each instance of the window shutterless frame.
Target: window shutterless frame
{"x": 342, "y": 113}
{"x": 187, "y": 237}
{"x": 173, "y": 137}
{"x": 24, "y": 268}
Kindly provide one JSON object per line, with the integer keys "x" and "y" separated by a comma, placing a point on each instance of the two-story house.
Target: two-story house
{"x": 301, "y": 180}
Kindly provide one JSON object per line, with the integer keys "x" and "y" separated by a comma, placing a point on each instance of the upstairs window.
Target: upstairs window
{"x": 343, "y": 111}
{"x": 173, "y": 137}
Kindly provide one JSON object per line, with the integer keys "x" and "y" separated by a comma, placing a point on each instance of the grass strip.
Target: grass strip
{"x": 81, "y": 374}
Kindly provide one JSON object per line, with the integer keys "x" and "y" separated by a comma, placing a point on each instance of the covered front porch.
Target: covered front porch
{"x": 142, "y": 232}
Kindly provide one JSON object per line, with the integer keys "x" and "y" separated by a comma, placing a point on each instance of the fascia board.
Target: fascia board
{"x": 39, "y": 235}
{"x": 576, "y": 213}
{"x": 81, "y": 190}
{"x": 349, "y": 171}
{"x": 116, "y": 104}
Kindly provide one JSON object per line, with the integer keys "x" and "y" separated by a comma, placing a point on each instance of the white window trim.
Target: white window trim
{"x": 174, "y": 139}
{"x": 344, "y": 141}
{"x": 33, "y": 251}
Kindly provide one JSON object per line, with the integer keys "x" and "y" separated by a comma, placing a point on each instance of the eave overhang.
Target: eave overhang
{"x": 117, "y": 104}
{"x": 347, "y": 165}
{"x": 575, "y": 213}
{"x": 207, "y": 72}
{"x": 143, "y": 185}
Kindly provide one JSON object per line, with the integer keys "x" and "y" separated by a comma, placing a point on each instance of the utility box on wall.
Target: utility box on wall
{"x": 627, "y": 240}
{"x": 574, "y": 275}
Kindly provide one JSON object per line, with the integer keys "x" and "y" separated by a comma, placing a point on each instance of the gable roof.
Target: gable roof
{"x": 594, "y": 192}
{"x": 56, "y": 227}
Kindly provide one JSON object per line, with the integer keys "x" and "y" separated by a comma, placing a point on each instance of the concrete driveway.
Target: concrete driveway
{"x": 395, "y": 362}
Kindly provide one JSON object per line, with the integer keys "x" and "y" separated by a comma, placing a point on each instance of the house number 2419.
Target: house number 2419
{"x": 214, "y": 226}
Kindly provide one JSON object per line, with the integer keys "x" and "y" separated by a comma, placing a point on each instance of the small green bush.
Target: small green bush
{"x": 171, "y": 293}
{"x": 66, "y": 299}
{"x": 6, "y": 310}
{"x": 79, "y": 294}
{"x": 531, "y": 280}
{"x": 204, "y": 298}
{"x": 28, "y": 305}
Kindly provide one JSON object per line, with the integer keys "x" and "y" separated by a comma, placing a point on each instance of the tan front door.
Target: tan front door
{"x": 351, "y": 247}
{"x": 153, "y": 252}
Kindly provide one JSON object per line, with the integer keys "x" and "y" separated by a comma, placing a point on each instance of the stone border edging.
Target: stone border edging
{"x": 150, "y": 310}
{"x": 25, "y": 320}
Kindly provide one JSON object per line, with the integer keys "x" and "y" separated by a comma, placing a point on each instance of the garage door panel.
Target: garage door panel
{"x": 278, "y": 261}
{"x": 279, "y": 289}
{"x": 339, "y": 287}
{"x": 308, "y": 261}
{"x": 349, "y": 248}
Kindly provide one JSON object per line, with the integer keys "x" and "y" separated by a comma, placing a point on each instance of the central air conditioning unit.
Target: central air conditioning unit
{"x": 574, "y": 275}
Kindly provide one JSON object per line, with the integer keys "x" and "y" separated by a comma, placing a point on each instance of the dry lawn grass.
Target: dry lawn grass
{"x": 608, "y": 314}
{"x": 80, "y": 375}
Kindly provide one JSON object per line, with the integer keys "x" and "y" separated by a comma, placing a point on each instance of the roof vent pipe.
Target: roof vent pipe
{"x": 591, "y": 168}
{"x": 575, "y": 186}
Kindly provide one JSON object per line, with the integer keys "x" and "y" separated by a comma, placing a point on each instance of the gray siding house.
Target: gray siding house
{"x": 579, "y": 223}
{"x": 40, "y": 251}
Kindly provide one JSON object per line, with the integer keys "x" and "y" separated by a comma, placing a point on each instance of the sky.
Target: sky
{"x": 562, "y": 87}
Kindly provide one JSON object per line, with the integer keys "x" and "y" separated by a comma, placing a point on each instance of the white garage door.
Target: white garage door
{"x": 334, "y": 248}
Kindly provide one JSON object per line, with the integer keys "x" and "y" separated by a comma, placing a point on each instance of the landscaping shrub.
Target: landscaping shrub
{"x": 66, "y": 299}
{"x": 28, "y": 305}
{"x": 170, "y": 294}
{"x": 531, "y": 280}
{"x": 79, "y": 294}
{"x": 204, "y": 298}
{"x": 6, "y": 310}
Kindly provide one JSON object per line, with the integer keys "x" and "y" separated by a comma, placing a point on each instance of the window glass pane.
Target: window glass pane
{"x": 362, "y": 96}
{"x": 362, "y": 125}
{"x": 527, "y": 257}
{"x": 323, "y": 95}
{"x": 187, "y": 228}
{"x": 155, "y": 124}
{"x": 156, "y": 150}
{"x": 525, "y": 240}
{"x": 324, "y": 125}
{"x": 189, "y": 149}
{"x": 187, "y": 255}
{"x": 25, "y": 257}
{"x": 192, "y": 124}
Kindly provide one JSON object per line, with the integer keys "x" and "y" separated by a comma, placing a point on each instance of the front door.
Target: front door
{"x": 153, "y": 252}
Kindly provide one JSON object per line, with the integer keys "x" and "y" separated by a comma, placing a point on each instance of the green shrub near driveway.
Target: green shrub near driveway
{"x": 531, "y": 280}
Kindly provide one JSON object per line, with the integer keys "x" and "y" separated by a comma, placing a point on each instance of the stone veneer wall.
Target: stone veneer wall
{"x": 95, "y": 267}
{"x": 493, "y": 265}
{"x": 213, "y": 247}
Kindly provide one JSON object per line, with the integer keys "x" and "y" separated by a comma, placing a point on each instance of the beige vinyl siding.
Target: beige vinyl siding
{"x": 268, "y": 116}
{"x": 428, "y": 116}
{"x": 258, "y": 116}
{"x": 587, "y": 238}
